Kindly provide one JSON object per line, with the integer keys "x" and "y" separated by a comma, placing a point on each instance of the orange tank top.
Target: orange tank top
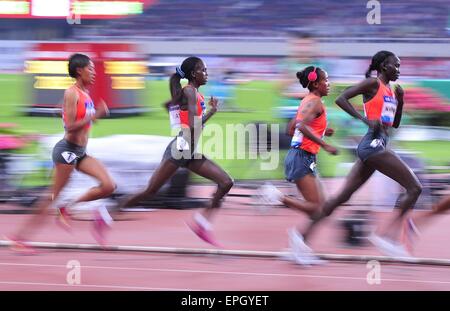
{"x": 317, "y": 127}
{"x": 85, "y": 107}
{"x": 382, "y": 106}
{"x": 201, "y": 110}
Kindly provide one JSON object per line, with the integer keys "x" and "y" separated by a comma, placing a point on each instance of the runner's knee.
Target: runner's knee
{"x": 108, "y": 188}
{"x": 415, "y": 190}
{"x": 226, "y": 185}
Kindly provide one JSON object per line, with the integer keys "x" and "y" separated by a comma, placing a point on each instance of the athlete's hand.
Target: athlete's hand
{"x": 213, "y": 103}
{"x": 399, "y": 92}
{"x": 330, "y": 149}
{"x": 101, "y": 110}
{"x": 329, "y": 132}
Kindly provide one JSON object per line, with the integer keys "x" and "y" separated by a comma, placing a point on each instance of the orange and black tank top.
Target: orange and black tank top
{"x": 317, "y": 127}
{"x": 201, "y": 110}
{"x": 85, "y": 107}
{"x": 382, "y": 106}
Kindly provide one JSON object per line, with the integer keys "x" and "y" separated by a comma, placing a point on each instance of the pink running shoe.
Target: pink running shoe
{"x": 63, "y": 219}
{"x": 20, "y": 247}
{"x": 99, "y": 229}
{"x": 205, "y": 235}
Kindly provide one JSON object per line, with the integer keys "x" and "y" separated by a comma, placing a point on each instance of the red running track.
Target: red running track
{"x": 238, "y": 227}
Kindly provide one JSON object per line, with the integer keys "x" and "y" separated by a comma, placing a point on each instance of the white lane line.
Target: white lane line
{"x": 99, "y": 286}
{"x": 232, "y": 273}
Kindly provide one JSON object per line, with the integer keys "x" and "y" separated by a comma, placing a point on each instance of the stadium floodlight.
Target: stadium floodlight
{"x": 50, "y": 8}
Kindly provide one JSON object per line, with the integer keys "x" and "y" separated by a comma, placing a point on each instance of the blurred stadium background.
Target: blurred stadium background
{"x": 252, "y": 49}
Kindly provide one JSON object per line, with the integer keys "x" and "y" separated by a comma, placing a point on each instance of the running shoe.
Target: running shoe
{"x": 204, "y": 234}
{"x": 63, "y": 219}
{"x": 268, "y": 195}
{"x": 19, "y": 246}
{"x": 389, "y": 248}
{"x": 300, "y": 252}
{"x": 99, "y": 229}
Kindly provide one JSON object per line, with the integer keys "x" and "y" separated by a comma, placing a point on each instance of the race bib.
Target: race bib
{"x": 90, "y": 109}
{"x": 312, "y": 167}
{"x": 297, "y": 139}
{"x": 69, "y": 156}
{"x": 182, "y": 144}
{"x": 389, "y": 110}
{"x": 202, "y": 104}
{"x": 174, "y": 114}
{"x": 376, "y": 143}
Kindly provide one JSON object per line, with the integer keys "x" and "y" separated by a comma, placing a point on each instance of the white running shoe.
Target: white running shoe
{"x": 388, "y": 247}
{"x": 300, "y": 252}
{"x": 304, "y": 260}
{"x": 269, "y": 194}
